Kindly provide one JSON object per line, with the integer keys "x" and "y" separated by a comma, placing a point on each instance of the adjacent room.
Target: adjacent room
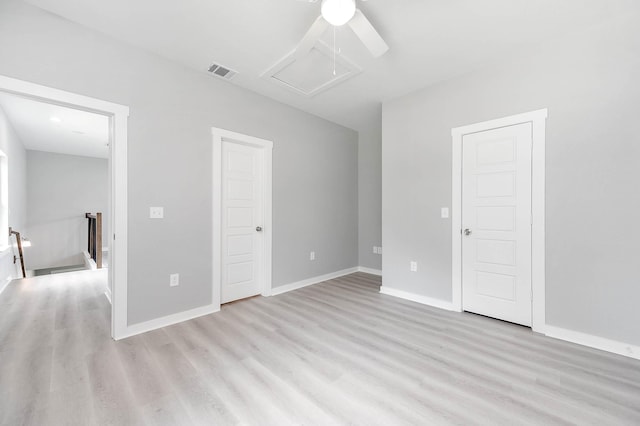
{"x": 62, "y": 186}
{"x": 320, "y": 212}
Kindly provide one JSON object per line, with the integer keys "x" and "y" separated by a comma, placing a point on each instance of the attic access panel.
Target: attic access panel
{"x": 312, "y": 73}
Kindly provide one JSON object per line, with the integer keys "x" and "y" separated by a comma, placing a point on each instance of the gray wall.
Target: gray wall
{"x": 12, "y": 146}
{"x": 370, "y": 193}
{"x": 315, "y": 191}
{"x": 589, "y": 82}
{"x": 60, "y": 190}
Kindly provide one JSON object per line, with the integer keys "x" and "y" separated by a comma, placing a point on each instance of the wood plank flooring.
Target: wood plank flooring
{"x": 331, "y": 354}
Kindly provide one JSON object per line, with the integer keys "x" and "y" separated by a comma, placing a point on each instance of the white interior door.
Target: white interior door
{"x": 242, "y": 216}
{"x": 496, "y": 223}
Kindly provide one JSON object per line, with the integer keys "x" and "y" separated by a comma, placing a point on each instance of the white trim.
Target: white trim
{"x": 5, "y": 237}
{"x": 267, "y": 147}
{"x": 118, "y": 114}
{"x": 168, "y": 320}
{"x": 538, "y": 120}
{"x": 118, "y": 240}
{"x": 608, "y": 345}
{"x": 5, "y": 284}
{"x": 512, "y": 120}
{"x": 107, "y": 294}
{"x": 538, "y": 226}
{"x": 371, "y": 271}
{"x": 311, "y": 281}
{"x": 418, "y": 298}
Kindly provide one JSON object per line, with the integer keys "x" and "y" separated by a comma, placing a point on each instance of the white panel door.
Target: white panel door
{"x": 242, "y": 215}
{"x": 496, "y": 223}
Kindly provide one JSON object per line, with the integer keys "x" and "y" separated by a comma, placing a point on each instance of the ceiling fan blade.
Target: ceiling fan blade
{"x": 369, "y": 36}
{"x": 318, "y": 27}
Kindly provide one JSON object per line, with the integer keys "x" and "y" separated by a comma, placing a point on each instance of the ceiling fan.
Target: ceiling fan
{"x": 337, "y": 13}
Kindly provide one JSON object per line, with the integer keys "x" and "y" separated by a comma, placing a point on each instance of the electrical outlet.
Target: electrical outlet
{"x": 413, "y": 266}
{"x": 444, "y": 212}
{"x": 312, "y": 255}
{"x": 156, "y": 212}
{"x": 174, "y": 280}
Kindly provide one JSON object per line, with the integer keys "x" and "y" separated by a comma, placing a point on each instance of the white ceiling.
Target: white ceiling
{"x": 430, "y": 40}
{"x": 71, "y": 132}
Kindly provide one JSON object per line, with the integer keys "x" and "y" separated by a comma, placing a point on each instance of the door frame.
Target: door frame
{"x": 538, "y": 125}
{"x": 118, "y": 115}
{"x": 219, "y": 136}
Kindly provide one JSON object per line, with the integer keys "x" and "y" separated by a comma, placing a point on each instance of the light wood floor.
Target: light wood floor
{"x": 333, "y": 353}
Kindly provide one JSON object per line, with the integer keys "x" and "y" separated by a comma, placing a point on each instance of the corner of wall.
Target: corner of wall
{"x": 370, "y": 193}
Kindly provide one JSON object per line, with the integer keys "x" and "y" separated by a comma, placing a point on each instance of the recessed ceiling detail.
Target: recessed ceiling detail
{"x": 312, "y": 73}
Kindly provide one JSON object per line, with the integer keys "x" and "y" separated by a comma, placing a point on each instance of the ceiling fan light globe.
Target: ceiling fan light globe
{"x": 338, "y": 12}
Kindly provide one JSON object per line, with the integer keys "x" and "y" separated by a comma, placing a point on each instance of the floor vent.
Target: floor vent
{"x": 222, "y": 72}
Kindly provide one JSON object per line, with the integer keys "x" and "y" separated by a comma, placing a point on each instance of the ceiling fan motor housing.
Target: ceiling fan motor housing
{"x": 338, "y": 12}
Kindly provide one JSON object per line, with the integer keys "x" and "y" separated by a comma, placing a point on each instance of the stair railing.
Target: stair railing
{"x": 94, "y": 237}
{"x": 19, "y": 241}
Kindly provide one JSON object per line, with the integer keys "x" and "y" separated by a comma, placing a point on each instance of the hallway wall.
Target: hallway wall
{"x": 588, "y": 82}
{"x": 60, "y": 190}
{"x": 172, "y": 110}
{"x": 13, "y": 148}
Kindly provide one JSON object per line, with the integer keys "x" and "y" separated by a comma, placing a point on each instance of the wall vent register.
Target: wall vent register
{"x": 222, "y": 72}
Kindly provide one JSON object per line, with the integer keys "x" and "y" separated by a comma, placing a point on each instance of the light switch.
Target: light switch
{"x": 444, "y": 212}
{"x": 413, "y": 266}
{"x": 156, "y": 212}
{"x": 174, "y": 280}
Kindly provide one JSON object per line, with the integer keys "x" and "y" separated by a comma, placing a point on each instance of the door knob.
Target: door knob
{"x": 467, "y": 232}
{"x": 259, "y": 228}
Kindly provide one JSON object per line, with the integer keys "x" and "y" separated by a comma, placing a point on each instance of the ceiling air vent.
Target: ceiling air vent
{"x": 222, "y": 72}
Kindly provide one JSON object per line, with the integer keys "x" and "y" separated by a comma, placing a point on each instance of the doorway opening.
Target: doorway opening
{"x": 487, "y": 173}
{"x": 59, "y": 184}
{"x": 113, "y": 152}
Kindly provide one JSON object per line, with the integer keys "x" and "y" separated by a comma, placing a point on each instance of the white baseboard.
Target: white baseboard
{"x": 154, "y": 324}
{"x": 371, "y": 271}
{"x": 168, "y": 320}
{"x": 310, "y": 281}
{"x": 4, "y": 284}
{"x": 596, "y": 342}
{"x": 592, "y": 341}
{"x": 107, "y": 294}
{"x": 425, "y": 300}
